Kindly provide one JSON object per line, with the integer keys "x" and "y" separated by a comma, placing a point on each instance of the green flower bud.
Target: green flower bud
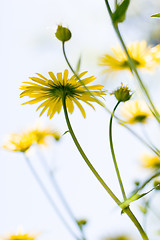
{"x": 122, "y": 94}
{"x": 157, "y": 184}
{"x": 63, "y": 34}
{"x": 82, "y": 222}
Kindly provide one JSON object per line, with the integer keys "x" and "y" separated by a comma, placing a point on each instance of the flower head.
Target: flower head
{"x": 139, "y": 52}
{"x": 63, "y": 34}
{"x": 150, "y": 161}
{"x": 21, "y": 236}
{"x": 122, "y": 93}
{"x": 135, "y": 112}
{"x": 52, "y": 91}
{"x": 41, "y": 135}
{"x": 19, "y": 142}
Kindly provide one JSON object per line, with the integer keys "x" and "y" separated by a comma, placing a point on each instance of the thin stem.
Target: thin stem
{"x": 132, "y": 64}
{"x": 126, "y": 210}
{"x": 42, "y": 186}
{"x": 113, "y": 153}
{"x": 148, "y": 180}
{"x": 97, "y": 100}
{"x": 59, "y": 191}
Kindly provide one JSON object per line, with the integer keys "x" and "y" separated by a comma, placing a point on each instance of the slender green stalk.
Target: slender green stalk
{"x": 112, "y": 195}
{"x": 113, "y": 153}
{"x": 42, "y": 186}
{"x": 59, "y": 191}
{"x": 97, "y": 100}
{"x": 148, "y": 180}
{"x": 132, "y": 64}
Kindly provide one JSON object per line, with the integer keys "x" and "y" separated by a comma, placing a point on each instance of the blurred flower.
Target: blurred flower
{"x": 123, "y": 237}
{"x": 21, "y": 236}
{"x": 51, "y": 92}
{"x": 122, "y": 94}
{"x": 135, "y": 112}
{"x": 19, "y": 142}
{"x": 41, "y": 135}
{"x": 150, "y": 161}
{"x": 156, "y": 53}
{"x": 140, "y": 53}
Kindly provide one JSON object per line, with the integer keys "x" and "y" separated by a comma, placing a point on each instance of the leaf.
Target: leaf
{"x": 65, "y": 132}
{"x": 133, "y": 198}
{"x": 120, "y": 12}
{"x": 156, "y": 15}
{"x": 78, "y": 65}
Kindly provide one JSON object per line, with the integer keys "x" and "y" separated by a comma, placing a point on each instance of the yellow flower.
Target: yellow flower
{"x": 41, "y": 135}
{"x": 135, "y": 112}
{"x": 21, "y": 236}
{"x": 140, "y": 53}
{"x": 19, "y": 142}
{"x": 51, "y": 92}
{"x": 150, "y": 161}
{"x": 156, "y": 53}
{"x": 123, "y": 237}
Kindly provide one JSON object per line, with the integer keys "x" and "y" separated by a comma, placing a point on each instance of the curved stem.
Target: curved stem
{"x": 148, "y": 180}
{"x": 132, "y": 65}
{"x": 113, "y": 153}
{"x": 59, "y": 191}
{"x": 48, "y": 196}
{"x": 126, "y": 210}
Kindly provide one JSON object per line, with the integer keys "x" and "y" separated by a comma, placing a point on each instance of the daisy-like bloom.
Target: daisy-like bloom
{"x": 52, "y": 91}
{"x": 42, "y": 134}
{"x": 20, "y": 236}
{"x": 19, "y": 142}
{"x": 135, "y": 111}
{"x": 140, "y": 53}
{"x": 150, "y": 161}
{"x": 156, "y": 53}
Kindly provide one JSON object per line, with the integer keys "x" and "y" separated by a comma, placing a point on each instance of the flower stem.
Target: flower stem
{"x": 59, "y": 192}
{"x": 112, "y": 195}
{"x": 33, "y": 171}
{"x": 131, "y": 64}
{"x": 113, "y": 153}
{"x": 97, "y": 100}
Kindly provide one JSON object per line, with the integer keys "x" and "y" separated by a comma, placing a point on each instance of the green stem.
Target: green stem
{"x": 148, "y": 180}
{"x": 59, "y": 192}
{"x": 131, "y": 63}
{"x": 97, "y": 100}
{"x": 42, "y": 186}
{"x": 126, "y": 210}
{"x": 113, "y": 153}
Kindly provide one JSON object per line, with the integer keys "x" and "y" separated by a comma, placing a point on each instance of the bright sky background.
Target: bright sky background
{"x": 28, "y": 46}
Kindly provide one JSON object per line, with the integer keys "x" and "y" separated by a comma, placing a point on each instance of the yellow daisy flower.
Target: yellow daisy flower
{"x": 20, "y": 236}
{"x": 19, "y": 142}
{"x": 150, "y": 161}
{"x": 41, "y": 135}
{"x": 140, "y": 53}
{"x": 135, "y": 112}
{"x": 51, "y": 92}
{"x": 156, "y": 53}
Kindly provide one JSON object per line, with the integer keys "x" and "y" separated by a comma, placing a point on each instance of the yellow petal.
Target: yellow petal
{"x": 80, "y": 107}
{"x": 38, "y": 80}
{"x": 69, "y": 105}
{"x": 88, "y": 80}
{"x": 51, "y": 74}
{"x": 42, "y": 76}
{"x": 65, "y": 76}
{"x": 59, "y": 77}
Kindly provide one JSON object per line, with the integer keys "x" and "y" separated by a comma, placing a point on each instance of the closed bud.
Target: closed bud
{"x": 122, "y": 94}
{"x": 63, "y": 34}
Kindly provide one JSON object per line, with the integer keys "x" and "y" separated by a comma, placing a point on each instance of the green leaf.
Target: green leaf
{"x": 133, "y": 198}
{"x": 65, "y": 132}
{"x": 156, "y": 15}
{"x": 120, "y": 12}
{"x": 78, "y": 65}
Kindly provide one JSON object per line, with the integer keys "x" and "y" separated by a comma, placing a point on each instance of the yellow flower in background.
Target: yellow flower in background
{"x": 150, "y": 161}
{"x": 140, "y": 53}
{"x": 19, "y": 142}
{"x": 135, "y": 111}
{"x": 156, "y": 53}
{"x": 20, "y": 236}
{"x": 51, "y": 91}
{"x": 123, "y": 237}
{"x": 42, "y": 134}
